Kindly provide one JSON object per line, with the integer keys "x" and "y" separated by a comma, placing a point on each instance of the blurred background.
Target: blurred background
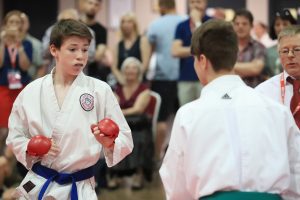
{"x": 42, "y": 14}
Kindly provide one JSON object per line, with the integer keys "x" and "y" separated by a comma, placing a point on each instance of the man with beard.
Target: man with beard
{"x": 99, "y": 68}
{"x": 90, "y": 10}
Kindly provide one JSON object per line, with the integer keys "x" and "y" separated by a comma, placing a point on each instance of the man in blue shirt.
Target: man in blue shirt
{"x": 160, "y": 35}
{"x": 188, "y": 86}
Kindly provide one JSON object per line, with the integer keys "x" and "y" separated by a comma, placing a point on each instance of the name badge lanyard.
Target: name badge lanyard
{"x": 282, "y": 92}
{"x": 12, "y": 52}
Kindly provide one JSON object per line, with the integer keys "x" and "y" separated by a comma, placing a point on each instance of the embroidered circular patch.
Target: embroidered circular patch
{"x": 87, "y": 102}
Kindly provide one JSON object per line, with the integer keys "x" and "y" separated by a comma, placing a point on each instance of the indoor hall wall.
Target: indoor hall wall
{"x": 146, "y": 14}
{"x": 142, "y": 8}
{"x": 259, "y": 9}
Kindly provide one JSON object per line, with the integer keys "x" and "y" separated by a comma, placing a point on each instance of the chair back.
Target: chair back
{"x": 152, "y": 110}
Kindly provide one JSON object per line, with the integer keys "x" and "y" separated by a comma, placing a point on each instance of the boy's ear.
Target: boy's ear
{"x": 53, "y": 50}
{"x": 204, "y": 62}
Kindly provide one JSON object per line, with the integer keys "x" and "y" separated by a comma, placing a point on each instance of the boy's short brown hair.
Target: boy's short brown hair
{"x": 216, "y": 40}
{"x": 66, "y": 28}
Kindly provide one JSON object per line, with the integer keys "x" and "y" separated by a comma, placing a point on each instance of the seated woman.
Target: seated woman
{"x": 134, "y": 97}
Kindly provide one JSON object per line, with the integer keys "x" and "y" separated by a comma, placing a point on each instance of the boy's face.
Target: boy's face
{"x": 72, "y": 56}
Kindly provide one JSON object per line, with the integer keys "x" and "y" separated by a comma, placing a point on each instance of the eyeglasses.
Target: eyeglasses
{"x": 285, "y": 52}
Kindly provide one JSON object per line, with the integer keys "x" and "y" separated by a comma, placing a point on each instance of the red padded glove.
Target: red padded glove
{"x": 38, "y": 145}
{"x": 108, "y": 127}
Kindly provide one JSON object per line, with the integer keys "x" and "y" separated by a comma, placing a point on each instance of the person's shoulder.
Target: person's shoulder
{"x": 156, "y": 23}
{"x": 173, "y": 18}
{"x": 144, "y": 87}
{"x": 183, "y": 26}
{"x": 49, "y": 30}
{"x": 272, "y": 50}
{"x": 258, "y": 44}
{"x": 100, "y": 26}
{"x": 27, "y": 42}
{"x": 34, "y": 40}
{"x": 96, "y": 84}
{"x": 270, "y": 103}
{"x": 271, "y": 82}
{"x": 206, "y": 18}
{"x": 33, "y": 87}
{"x": 263, "y": 98}
{"x": 189, "y": 107}
{"x": 184, "y": 22}
{"x": 37, "y": 82}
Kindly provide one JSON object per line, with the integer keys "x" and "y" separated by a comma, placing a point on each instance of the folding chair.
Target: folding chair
{"x": 153, "y": 110}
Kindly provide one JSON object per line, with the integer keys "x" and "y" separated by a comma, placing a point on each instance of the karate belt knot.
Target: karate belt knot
{"x": 61, "y": 178}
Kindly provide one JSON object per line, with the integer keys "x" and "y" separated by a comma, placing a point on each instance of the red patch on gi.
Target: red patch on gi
{"x": 87, "y": 102}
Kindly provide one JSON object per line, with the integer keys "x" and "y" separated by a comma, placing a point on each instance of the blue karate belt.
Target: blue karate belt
{"x": 61, "y": 178}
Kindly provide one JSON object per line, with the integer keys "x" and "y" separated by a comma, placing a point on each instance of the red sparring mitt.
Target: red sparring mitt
{"x": 108, "y": 127}
{"x": 38, "y": 145}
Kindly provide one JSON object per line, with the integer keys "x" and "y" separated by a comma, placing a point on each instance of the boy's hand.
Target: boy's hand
{"x": 39, "y": 145}
{"x": 108, "y": 127}
{"x": 106, "y": 140}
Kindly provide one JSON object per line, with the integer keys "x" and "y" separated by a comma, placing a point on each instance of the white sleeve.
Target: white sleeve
{"x": 293, "y": 192}
{"x": 123, "y": 143}
{"x": 18, "y": 136}
{"x": 172, "y": 170}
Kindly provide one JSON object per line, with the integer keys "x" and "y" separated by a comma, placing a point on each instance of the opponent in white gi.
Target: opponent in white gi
{"x": 231, "y": 143}
{"x": 63, "y": 105}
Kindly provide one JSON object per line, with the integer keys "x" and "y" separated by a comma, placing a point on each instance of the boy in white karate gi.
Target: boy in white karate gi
{"x": 62, "y": 106}
{"x": 232, "y": 143}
